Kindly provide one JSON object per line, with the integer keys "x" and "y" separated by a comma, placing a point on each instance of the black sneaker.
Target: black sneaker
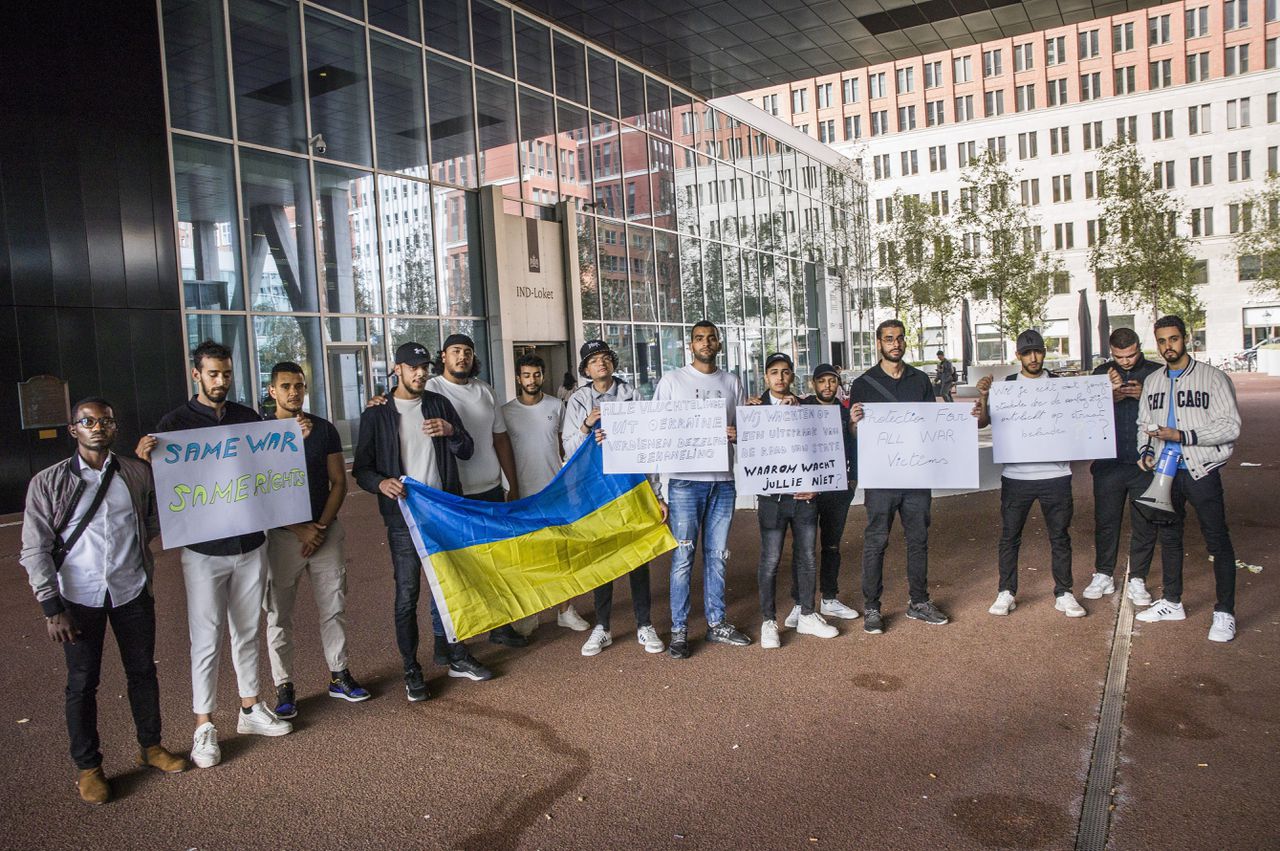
{"x": 508, "y": 637}
{"x": 872, "y": 623}
{"x": 344, "y": 686}
{"x": 679, "y": 647}
{"x": 415, "y": 686}
{"x": 286, "y": 705}
{"x": 927, "y": 612}
{"x": 726, "y": 633}
{"x": 440, "y": 655}
{"x": 464, "y": 665}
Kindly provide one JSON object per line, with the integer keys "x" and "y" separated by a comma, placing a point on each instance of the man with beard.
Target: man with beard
{"x": 416, "y": 433}
{"x": 482, "y": 473}
{"x": 597, "y": 363}
{"x": 85, "y": 530}
{"x": 892, "y": 380}
{"x": 1021, "y": 486}
{"x": 314, "y": 548}
{"x": 702, "y": 503}
{"x": 1191, "y": 407}
{"x": 1117, "y": 481}
{"x": 225, "y": 578}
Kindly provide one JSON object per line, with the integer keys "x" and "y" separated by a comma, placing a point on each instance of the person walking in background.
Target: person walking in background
{"x": 945, "y": 377}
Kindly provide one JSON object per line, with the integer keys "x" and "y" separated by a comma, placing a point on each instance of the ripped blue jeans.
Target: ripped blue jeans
{"x": 705, "y": 507}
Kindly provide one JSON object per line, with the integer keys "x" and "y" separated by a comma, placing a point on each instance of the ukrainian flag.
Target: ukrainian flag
{"x": 492, "y": 563}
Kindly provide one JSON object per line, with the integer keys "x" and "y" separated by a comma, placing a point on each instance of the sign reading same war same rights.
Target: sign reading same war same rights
{"x": 790, "y": 449}
{"x": 229, "y": 480}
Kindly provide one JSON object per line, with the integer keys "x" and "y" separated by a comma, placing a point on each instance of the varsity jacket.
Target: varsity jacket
{"x": 1204, "y": 410}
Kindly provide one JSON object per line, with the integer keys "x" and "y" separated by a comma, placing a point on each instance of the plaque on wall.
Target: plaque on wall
{"x": 535, "y": 250}
{"x": 44, "y": 402}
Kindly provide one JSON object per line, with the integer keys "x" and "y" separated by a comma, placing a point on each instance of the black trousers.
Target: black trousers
{"x": 1207, "y": 498}
{"x": 134, "y": 626}
{"x": 833, "y": 511}
{"x": 914, "y": 507}
{"x": 775, "y": 516}
{"x": 640, "y": 599}
{"x": 1016, "y": 499}
{"x": 1115, "y": 485}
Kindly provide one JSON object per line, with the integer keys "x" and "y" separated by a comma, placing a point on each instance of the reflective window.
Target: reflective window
{"x": 266, "y": 55}
{"x": 295, "y": 339}
{"x": 350, "y": 8}
{"x": 570, "y": 67}
{"x": 208, "y": 238}
{"x": 666, "y": 259}
{"x": 453, "y": 136}
{"x": 491, "y": 24}
{"x": 662, "y": 183}
{"x": 611, "y": 240}
{"x": 402, "y": 17}
{"x": 602, "y": 72}
{"x": 631, "y": 95}
{"x": 426, "y": 332}
{"x": 606, "y": 166}
{"x": 695, "y": 307}
{"x": 538, "y": 148}
{"x": 348, "y": 224}
{"x": 339, "y": 87}
{"x": 276, "y": 205}
{"x": 658, "y": 96}
{"x": 447, "y": 27}
{"x": 457, "y": 232}
{"x": 533, "y": 52}
{"x": 196, "y": 61}
{"x": 407, "y": 245}
{"x": 496, "y": 118}
{"x": 643, "y": 274}
{"x": 588, "y": 274}
{"x": 231, "y": 332}
{"x": 398, "y": 96}
{"x": 574, "y": 154}
{"x": 648, "y": 363}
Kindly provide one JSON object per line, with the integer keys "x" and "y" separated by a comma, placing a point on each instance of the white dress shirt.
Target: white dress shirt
{"x": 106, "y": 558}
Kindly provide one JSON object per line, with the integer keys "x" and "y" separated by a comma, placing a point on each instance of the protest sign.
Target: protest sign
{"x": 918, "y": 445}
{"x": 1052, "y": 419}
{"x": 672, "y": 436}
{"x": 789, "y": 449}
{"x": 229, "y": 480}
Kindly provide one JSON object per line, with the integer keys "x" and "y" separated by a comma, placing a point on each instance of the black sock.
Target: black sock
{"x": 246, "y": 709}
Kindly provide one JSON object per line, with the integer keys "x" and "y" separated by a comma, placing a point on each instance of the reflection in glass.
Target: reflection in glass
{"x": 571, "y": 74}
{"x": 612, "y": 242}
{"x": 667, "y": 267}
{"x": 635, "y": 182}
{"x": 447, "y": 28}
{"x": 648, "y": 367}
{"x": 686, "y": 189}
{"x": 619, "y": 339}
{"x": 453, "y": 138}
{"x": 674, "y": 348}
{"x": 659, "y": 119}
{"x": 492, "y": 26}
{"x": 662, "y": 182}
{"x": 695, "y": 307}
{"x": 397, "y": 104}
{"x": 631, "y": 95}
{"x": 351, "y": 386}
{"x": 410, "y": 330}
{"x": 289, "y": 338}
{"x": 643, "y": 276}
{"x": 276, "y": 194}
{"x": 208, "y": 238}
{"x": 713, "y": 269}
{"x": 496, "y": 117}
{"x": 533, "y": 53}
{"x": 348, "y": 240}
{"x": 195, "y": 56}
{"x": 350, "y": 8}
{"x": 606, "y": 166}
{"x": 751, "y": 308}
{"x": 339, "y": 86}
{"x": 407, "y": 245}
{"x": 574, "y": 162}
{"x": 588, "y": 272}
{"x": 732, "y": 286}
{"x": 537, "y": 148}
{"x": 229, "y": 331}
{"x": 457, "y": 231}
{"x": 399, "y": 16}
{"x": 602, "y": 72}
{"x": 266, "y": 53}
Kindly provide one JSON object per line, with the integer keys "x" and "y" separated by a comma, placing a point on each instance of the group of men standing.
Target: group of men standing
{"x": 90, "y": 519}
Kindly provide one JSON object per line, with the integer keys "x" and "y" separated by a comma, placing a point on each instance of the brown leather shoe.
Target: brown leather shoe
{"x": 94, "y": 788}
{"x": 157, "y": 757}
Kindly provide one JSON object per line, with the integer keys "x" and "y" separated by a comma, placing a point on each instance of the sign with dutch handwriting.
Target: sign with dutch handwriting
{"x": 671, "y": 436}
{"x": 229, "y": 480}
{"x": 1052, "y": 419}
{"x": 789, "y": 449}
{"x": 918, "y": 445}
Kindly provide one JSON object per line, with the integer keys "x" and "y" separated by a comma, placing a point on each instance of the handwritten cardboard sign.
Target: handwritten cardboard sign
{"x": 918, "y": 445}
{"x": 671, "y": 436}
{"x": 789, "y": 449}
{"x": 1052, "y": 419}
{"x": 229, "y": 480}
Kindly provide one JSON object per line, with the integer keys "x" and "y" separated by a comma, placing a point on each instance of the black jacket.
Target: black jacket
{"x": 850, "y": 448}
{"x": 913, "y": 386}
{"x": 378, "y": 450}
{"x": 1126, "y": 412}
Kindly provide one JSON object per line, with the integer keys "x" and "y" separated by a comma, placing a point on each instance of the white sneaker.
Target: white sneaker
{"x": 597, "y": 641}
{"x": 1068, "y": 606}
{"x": 793, "y": 618}
{"x": 648, "y": 636}
{"x": 205, "y": 752}
{"x": 261, "y": 721}
{"x": 769, "y": 635}
{"x": 1137, "y": 591}
{"x": 834, "y": 608}
{"x": 570, "y": 619}
{"x": 1099, "y": 586}
{"x": 1004, "y": 604}
{"x": 1224, "y": 627}
{"x": 813, "y": 624}
{"x": 1163, "y": 610}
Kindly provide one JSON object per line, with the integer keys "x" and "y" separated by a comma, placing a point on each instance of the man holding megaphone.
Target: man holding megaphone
{"x": 1188, "y": 422}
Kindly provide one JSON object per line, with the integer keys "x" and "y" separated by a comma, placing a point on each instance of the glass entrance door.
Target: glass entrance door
{"x": 349, "y": 389}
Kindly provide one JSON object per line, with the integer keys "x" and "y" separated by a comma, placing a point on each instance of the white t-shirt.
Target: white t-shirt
{"x": 689, "y": 383}
{"x": 417, "y": 452}
{"x": 478, "y": 407}
{"x": 535, "y": 440}
{"x": 1038, "y": 469}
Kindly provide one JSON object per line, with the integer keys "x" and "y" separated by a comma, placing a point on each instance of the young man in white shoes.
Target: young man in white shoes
{"x": 1022, "y": 485}
{"x": 1193, "y": 405}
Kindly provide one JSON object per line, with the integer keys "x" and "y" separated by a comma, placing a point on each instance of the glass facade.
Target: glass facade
{"x": 326, "y": 158}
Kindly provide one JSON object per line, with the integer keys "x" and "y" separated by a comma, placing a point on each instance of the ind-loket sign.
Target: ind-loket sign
{"x": 44, "y": 402}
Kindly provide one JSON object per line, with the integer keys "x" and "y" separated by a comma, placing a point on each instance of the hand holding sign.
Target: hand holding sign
{"x": 795, "y": 449}
{"x": 672, "y": 436}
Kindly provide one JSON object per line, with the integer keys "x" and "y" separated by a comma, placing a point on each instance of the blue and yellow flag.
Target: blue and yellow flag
{"x": 492, "y": 563}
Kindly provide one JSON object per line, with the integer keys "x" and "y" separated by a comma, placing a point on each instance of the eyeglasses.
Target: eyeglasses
{"x": 90, "y": 422}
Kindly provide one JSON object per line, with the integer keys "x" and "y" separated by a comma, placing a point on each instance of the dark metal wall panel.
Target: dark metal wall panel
{"x": 64, "y": 211}
{"x": 26, "y": 230}
{"x": 100, "y": 188}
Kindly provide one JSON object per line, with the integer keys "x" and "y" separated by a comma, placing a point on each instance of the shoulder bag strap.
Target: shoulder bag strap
{"x": 99, "y": 496}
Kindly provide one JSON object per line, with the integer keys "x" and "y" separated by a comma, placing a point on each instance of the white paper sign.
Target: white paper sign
{"x": 229, "y": 480}
{"x": 671, "y": 436}
{"x": 1052, "y": 419}
{"x": 918, "y": 445}
{"x": 789, "y": 449}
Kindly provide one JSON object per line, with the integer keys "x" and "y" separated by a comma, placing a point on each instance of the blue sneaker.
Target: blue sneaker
{"x": 344, "y": 686}
{"x": 286, "y": 705}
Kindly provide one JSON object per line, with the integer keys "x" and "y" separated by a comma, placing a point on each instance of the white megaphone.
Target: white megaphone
{"x": 1155, "y": 504}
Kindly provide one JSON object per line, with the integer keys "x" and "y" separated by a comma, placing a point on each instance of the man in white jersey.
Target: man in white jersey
{"x": 533, "y": 424}
{"x": 702, "y": 503}
{"x": 1021, "y": 485}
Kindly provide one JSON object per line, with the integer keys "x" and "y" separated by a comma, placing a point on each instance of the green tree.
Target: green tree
{"x": 1257, "y": 245}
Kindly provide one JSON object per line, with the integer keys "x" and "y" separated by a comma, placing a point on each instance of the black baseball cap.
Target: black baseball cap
{"x": 1030, "y": 341}
{"x": 825, "y": 369}
{"x": 590, "y": 349}
{"x": 458, "y": 340}
{"x": 779, "y": 357}
{"x": 412, "y": 354}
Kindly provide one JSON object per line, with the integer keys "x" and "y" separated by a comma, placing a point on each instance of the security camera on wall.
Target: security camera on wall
{"x": 317, "y": 144}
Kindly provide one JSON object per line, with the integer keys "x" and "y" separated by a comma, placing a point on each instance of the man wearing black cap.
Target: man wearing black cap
{"x": 1021, "y": 485}
{"x": 892, "y": 380}
{"x": 417, "y": 433}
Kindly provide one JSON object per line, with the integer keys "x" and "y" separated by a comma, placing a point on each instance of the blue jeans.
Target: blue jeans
{"x": 705, "y": 507}
{"x": 407, "y": 565}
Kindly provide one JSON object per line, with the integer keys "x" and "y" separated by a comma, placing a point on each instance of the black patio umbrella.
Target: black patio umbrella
{"x": 1104, "y": 328}
{"x": 1086, "y": 333}
{"x": 966, "y": 340}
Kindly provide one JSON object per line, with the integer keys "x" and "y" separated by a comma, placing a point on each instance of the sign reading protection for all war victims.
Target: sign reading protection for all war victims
{"x": 918, "y": 445}
{"x": 790, "y": 449}
{"x": 229, "y": 480}
{"x": 672, "y": 436}
{"x": 1052, "y": 419}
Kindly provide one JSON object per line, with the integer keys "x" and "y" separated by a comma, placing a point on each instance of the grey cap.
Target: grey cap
{"x": 1030, "y": 341}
